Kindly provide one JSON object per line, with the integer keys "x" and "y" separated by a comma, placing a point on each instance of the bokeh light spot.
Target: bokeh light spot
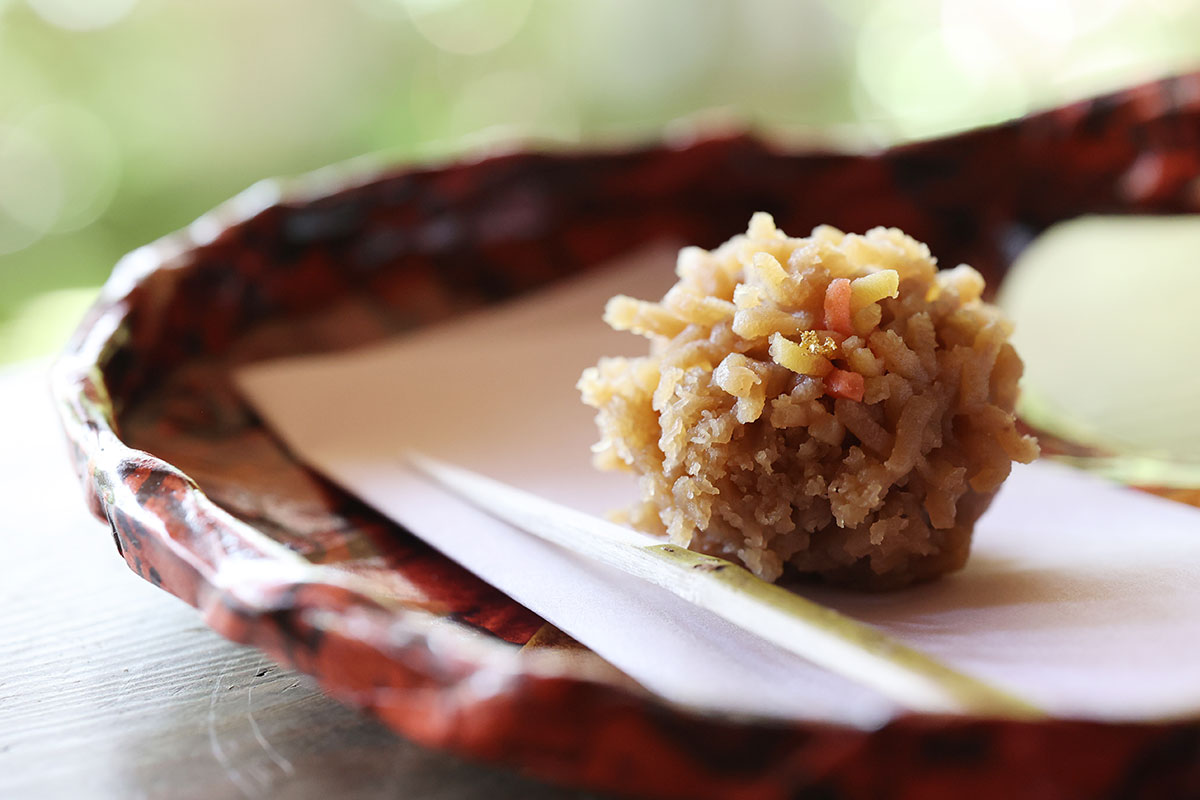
{"x": 932, "y": 68}
{"x": 468, "y": 27}
{"x": 87, "y": 157}
{"x": 31, "y": 189}
{"x": 636, "y": 69}
{"x": 907, "y": 72}
{"x": 82, "y": 15}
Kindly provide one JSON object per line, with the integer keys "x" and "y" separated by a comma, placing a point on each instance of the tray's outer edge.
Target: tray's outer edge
{"x": 976, "y": 197}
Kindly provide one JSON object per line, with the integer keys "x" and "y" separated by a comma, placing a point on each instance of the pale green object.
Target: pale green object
{"x": 1106, "y": 321}
{"x": 817, "y": 633}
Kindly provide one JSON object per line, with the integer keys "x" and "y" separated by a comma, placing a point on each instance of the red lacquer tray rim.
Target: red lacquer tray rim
{"x": 247, "y": 586}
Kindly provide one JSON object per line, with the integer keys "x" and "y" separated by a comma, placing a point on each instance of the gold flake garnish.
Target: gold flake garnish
{"x": 818, "y": 345}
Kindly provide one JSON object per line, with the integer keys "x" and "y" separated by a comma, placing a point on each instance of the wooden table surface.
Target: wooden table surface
{"x": 110, "y": 687}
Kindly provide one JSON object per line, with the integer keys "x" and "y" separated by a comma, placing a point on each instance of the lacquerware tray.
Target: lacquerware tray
{"x": 203, "y": 502}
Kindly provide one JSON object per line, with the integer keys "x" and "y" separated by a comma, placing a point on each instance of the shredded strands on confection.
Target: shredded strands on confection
{"x": 830, "y": 405}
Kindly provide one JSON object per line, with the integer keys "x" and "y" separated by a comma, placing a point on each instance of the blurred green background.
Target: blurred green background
{"x": 121, "y": 120}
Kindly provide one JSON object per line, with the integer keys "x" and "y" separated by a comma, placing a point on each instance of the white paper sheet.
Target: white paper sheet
{"x": 1080, "y": 595}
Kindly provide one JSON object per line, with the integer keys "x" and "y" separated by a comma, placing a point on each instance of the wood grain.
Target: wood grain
{"x": 110, "y": 687}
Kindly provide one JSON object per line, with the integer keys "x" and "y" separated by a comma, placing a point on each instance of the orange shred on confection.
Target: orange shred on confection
{"x": 846, "y": 384}
{"x": 837, "y": 307}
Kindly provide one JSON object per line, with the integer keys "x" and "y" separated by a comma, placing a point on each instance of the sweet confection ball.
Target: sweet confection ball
{"x": 832, "y": 405}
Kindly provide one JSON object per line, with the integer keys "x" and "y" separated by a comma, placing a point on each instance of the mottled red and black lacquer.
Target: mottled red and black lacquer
{"x": 193, "y": 485}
